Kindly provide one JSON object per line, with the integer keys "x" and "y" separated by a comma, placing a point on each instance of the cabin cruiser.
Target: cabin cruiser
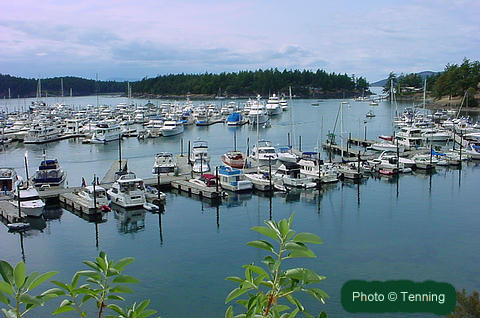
{"x": 8, "y": 179}
{"x": 285, "y": 154}
{"x": 350, "y": 171}
{"x": 425, "y": 162}
{"x": 41, "y": 134}
{"x": 386, "y": 146}
{"x": 105, "y": 132}
{"x": 288, "y": 174}
{"x": 233, "y": 179}
{"x": 404, "y": 162}
{"x": 164, "y": 163}
{"x": 171, "y": 128}
{"x": 49, "y": 173}
{"x": 257, "y": 113}
{"x": 273, "y": 106}
{"x": 431, "y": 134}
{"x": 30, "y": 202}
{"x": 264, "y": 153}
{"x": 128, "y": 191}
{"x": 283, "y": 104}
{"x": 261, "y": 181}
{"x": 311, "y": 166}
{"x": 199, "y": 157}
{"x": 87, "y": 195}
{"x": 234, "y": 159}
{"x": 409, "y": 138}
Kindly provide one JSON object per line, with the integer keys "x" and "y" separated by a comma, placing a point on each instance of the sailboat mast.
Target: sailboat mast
{"x": 96, "y": 86}
{"x": 424, "y": 92}
{"x": 291, "y": 116}
{"x": 341, "y": 127}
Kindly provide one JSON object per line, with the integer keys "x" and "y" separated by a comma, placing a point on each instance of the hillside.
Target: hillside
{"x": 424, "y": 74}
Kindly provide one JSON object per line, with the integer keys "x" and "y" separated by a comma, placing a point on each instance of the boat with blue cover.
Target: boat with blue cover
{"x": 235, "y": 119}
{"x": 49, "y": 173}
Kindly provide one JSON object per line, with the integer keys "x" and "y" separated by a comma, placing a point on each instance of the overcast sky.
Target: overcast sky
{"x": 132, "y": 39}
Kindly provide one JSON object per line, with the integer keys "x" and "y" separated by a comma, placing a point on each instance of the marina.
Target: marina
{"x": 333, "y": 196}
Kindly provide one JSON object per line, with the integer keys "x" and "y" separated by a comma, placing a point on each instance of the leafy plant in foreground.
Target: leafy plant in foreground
{"x": 16, "y": 287}
{"x": 106, "y": 282}
{"x": 269, "y": 285}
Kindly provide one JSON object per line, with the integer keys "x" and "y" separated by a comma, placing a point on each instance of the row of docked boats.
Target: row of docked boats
{"x": 103, "y": 124}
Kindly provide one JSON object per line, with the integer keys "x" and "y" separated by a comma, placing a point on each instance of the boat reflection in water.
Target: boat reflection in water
{"x": 233, "y": 199}
{"x": 52, "y": 212}
{"x": 129, "y": 221}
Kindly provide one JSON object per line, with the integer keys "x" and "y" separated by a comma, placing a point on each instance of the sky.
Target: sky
{"x": 130, "y": 40}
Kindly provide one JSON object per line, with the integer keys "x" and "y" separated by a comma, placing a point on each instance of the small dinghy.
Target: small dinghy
{"x": 150, "y": 206}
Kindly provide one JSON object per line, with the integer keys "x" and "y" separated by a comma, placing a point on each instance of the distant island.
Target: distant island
{"x": 304, "y": 84}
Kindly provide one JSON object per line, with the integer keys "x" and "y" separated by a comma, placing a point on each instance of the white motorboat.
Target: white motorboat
{"x": 49, "y": 172}
{"x": 171, "y": 128}
{"x": 285, "y": 154}
{"x": 234, "y": 159}
{"x": 386, "y": 146}
{"x": 87, "y": 196}
{"x": 260, "y": 181}
{"x": 30, "y": 202}
{"x": 105, "y": 132}
{"x": 288, "y": 174}
{"x": 42, "y": 134}
{"x": 311, "y": 166}
{"x": 473, "y": 151}
{"x": 164, "y": 163}
{"x": 128, "y": 191}
{"x": 283, "y": 104}
{"x": 350, "y": 171}
{"x": 257, "y": 113}
{"x": 200, "y": 166}
{"x": 264, "y": 153}
{"x": 199, "y": 151}
{"x": 233, "y": 179}
{"x": 273, "y": 107}
{"x": 425, "y": 162}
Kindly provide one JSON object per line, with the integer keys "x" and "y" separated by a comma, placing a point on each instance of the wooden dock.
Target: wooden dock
{"x": 77, "y": 203}
{"x": 361, "y": 142}
{"x": 192, "y": 188}
{"x": 116, "y": 166}
{"x": 9, "y": 212}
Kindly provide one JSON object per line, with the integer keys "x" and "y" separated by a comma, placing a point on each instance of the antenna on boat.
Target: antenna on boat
{"x": 26, "y": 166}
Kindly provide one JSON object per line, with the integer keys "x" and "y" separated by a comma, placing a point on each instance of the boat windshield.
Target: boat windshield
{"x": 266, "y": 150}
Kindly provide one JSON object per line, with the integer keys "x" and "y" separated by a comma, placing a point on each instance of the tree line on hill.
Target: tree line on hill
{"x": 456, "y": 80}
{"x": 247, "y": 83}
{"x": 27, "y": 87}
{"x": 244, "y": 83}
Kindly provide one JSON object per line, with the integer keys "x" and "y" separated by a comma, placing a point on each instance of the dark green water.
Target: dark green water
{"x": 421, "y": 227}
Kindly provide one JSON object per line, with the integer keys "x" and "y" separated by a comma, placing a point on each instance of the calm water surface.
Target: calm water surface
{"x": 418, "y": 227}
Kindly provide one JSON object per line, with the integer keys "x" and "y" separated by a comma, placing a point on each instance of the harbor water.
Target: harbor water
{"x": 419, "y": 226}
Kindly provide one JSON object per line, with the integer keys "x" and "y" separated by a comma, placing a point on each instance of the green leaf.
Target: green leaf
{"x": 283, "y": 227}
{"x": 41, "y": 279}
{"x": 235, "y": 293}
{"x": 261, "y": 244}
{"x": 101, "y": 263}
{"x": 234, "y": 279}
{"x": 19, "y": 274}
{"x": 6, "y": 288}
{"x": 143, "y": 305}
{"x": 316, "y": 293}
{"x": 272, "y": 225}
{"x": 294, "y": 313}
{"x": 61, "y": 285}
{"x": 6, "y": 271}
{"x": 229, "y": 312}
{"x": 53, "y": 291}
{"x": 296, "y": 246}
{"x": 260, "y": 271}
{"x": 85, "y": 298}
{"x": 125, "y": 279}
{"x": 147, "y": 313}
{"x": 308, "y": 238}
{"x": 266, "y": 231}
{"x": 116, "y": 309}
{"x": 122, "y": 263}
{"x": 122, "y": 289}
{"x": 304, "y": 274}
{"x": 4, "y": 299}
{"x": 115, "y": 297}
{"x": 63, "y": 309}
{"x": 75, "y": 279}
{"x": 93, "y": 265}
{"x": 91, "y": 274}
{"x": 27, "y": 299}
{"x": 300, "y": 253}
{"x": 29, "y": 280}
